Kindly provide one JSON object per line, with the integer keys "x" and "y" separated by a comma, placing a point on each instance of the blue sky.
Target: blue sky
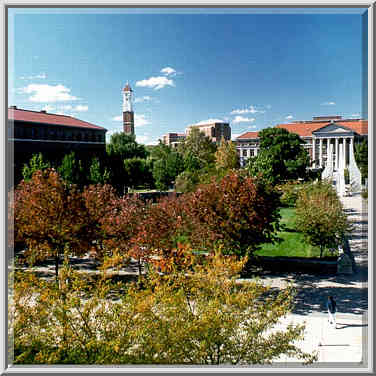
{"x": 251, "y": 68}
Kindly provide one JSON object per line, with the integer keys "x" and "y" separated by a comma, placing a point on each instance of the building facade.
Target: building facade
{"x": 317, "y": 135}
{"x": 173, "y": 139}
{"x": 128, "y": 114}
{"x": 215, "y": 131}
{"x": 31, "y": 132}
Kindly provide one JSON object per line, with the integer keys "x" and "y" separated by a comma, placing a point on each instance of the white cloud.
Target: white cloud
{"x": 268, "y": 106}
{"x": 48, "y": 93}
{"x": 66, "y": 107}
{"x": 209, "y": 121}
{"x": 156, "y": 82}
{"x": 81, "y": 108}
{"x": 41, "y": 76}
{"x": 242, "y": 119}
{"x": 168, "y": 71}
{"x": 328, "y": 104}
{"x": 289, "y": 117}
{"x": 145, "y": 98}
{"x": 234, "y": 136}
{"x": 249, "y": 110}
{"x": 139, "y": 120}
{"x": 146, "y": 139}
{"x": 355, "y": 115}
{"x": 48, "y": 108}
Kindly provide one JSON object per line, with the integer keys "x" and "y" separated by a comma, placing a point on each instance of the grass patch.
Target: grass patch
{"x": 293, "y": 243}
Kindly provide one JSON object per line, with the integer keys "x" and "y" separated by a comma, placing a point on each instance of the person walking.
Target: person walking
{"x": 331, "y": 305}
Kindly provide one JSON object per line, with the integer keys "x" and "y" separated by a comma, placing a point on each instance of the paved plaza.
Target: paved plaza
{"x": 348, "y": 343}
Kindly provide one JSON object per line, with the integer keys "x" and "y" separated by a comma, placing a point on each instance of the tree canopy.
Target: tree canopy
{"x": 282, "y": 156}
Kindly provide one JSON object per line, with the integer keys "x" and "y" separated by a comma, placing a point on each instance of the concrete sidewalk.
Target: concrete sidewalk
{"x": 344, "y": 344}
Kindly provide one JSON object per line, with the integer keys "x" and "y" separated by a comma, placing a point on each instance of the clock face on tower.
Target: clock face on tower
{"x": 127, "y": 101}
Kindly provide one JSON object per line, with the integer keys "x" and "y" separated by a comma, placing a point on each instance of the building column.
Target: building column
{"x": 320, "y": 153}
{"x": 344, "y": 151}
{"x": 336, "y": 151}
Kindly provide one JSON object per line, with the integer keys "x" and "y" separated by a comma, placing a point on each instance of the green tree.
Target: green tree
{"x": 137, "y": 172}
{"x": 124, "y": 146}
{"x": 226, "y": 156}
{"x": 121, "y": 147}
{"x": 168, "y": 164}
{"x": 198, "y": 150}
{"x": 36, "y": 163}
{"x": 282, "y": 154}
{"x": 361, "y": 158}
{"x": 320, "y": 216}
{"x": 97, "y": 175}
{"x": 72, "y": 171}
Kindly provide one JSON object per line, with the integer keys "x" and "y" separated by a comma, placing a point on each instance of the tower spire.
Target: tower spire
{"x": 128, "y": 115}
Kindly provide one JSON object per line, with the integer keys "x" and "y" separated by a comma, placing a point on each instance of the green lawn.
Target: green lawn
{"x": 293, "y": 243}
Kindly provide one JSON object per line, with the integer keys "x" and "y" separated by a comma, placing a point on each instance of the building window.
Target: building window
{"x": 252, "y": 152}
{"x": 244, "y": 152}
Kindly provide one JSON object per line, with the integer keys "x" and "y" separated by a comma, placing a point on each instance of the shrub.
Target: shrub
{"x": 289, "y": 192}
{"x": 364, "y": 193}
{"x": 188, "y": 316}
{"x": 320, "y": 216}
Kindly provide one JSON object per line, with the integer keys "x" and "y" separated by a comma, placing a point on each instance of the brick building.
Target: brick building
{"x": 53, "y": 135}
{"x": 173, "y": 139}
{"x": 215, "y": 131}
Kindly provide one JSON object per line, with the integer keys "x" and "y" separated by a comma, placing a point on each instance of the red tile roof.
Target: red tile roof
{"x": 46, "y": 118}
{"x": 358, "y": 126}
{"x": 305, "y": 129}
{"x": 248, "y": 135}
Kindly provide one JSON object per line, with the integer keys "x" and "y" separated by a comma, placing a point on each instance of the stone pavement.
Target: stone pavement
{"x": 347, "y": 344}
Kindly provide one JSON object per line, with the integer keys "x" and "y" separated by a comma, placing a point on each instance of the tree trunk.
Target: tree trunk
{"x": 57, "y": 267}
{"x": 139, "y": 267}
{"x": 321, "y": 248}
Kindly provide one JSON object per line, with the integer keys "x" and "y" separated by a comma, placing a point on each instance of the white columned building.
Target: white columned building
{"x": 317, "y": 135}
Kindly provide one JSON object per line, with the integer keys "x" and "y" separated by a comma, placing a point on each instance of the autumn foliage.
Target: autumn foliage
{"x": 50, "y": 217}
{"x": 194, "y": 316}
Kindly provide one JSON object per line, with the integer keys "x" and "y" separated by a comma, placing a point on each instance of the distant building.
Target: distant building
{"x": 215, "y": 131}
{"x": 173, "y": 139}
{"x": 53, "y": 135}
{"x": 317, "y": 134}
{"x": 247, "y": 146}
{"x": 128, "y": 114}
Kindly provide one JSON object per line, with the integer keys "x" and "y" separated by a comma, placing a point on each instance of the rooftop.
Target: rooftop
{"x": 42, "y": 117}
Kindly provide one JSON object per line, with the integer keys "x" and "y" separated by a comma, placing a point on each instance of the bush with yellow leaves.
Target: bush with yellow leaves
{"x": 195, "y": 314}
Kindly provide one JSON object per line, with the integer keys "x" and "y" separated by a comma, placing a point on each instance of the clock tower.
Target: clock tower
{"x": 128, "y": 115}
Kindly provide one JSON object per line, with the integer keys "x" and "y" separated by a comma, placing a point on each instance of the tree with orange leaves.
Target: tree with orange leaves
{"x": 50, "y": 217}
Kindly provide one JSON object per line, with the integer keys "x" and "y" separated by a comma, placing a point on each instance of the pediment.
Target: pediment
{"x": 333, "y": 128}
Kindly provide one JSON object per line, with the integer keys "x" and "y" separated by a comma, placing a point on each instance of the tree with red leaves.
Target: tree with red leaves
{"x": 99, "y": 201}
{"x": 121, "y": 226}
{"x": 50, "y": 217}
{"x": 238, "y": 212}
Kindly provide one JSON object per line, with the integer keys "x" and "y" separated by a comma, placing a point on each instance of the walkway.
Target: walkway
{"x": 348, "y": 343}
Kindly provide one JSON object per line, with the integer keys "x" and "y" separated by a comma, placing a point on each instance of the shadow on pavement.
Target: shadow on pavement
{"x": 313, "y": 299}
{"x": 349, "y": 325}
